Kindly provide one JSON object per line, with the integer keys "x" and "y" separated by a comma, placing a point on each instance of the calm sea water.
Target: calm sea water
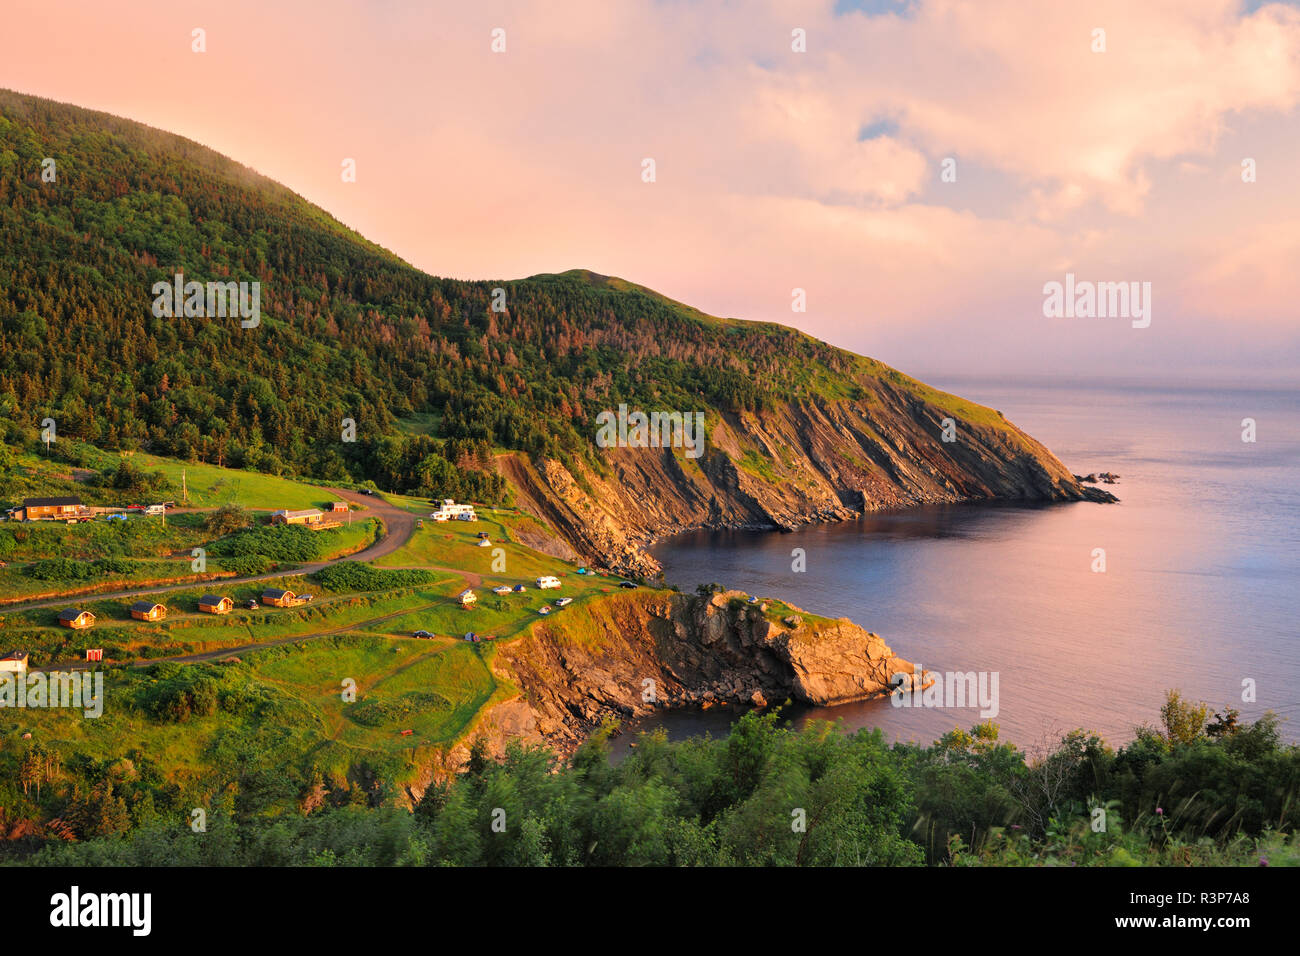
{"x": 1199, "y": 593}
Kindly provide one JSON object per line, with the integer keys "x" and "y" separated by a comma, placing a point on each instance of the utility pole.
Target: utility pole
{"x": 185, "y": 490}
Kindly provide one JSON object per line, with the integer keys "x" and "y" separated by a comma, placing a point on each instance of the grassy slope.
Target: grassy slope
{"x": 436, "y": 688}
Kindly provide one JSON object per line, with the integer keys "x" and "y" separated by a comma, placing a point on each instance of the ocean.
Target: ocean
{"x": 1202, "y": 562}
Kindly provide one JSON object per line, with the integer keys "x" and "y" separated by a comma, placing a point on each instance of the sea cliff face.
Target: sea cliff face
{"x": 631, "y": 654}
{"x": 791, "y": 465}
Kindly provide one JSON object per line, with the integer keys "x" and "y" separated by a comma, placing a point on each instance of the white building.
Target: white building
{"x": 449, "y": 509}
{"x": 15, "y": 662}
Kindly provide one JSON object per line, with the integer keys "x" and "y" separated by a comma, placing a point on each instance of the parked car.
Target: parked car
{"x": 424, "y": 634}
{"x": 306, "y": 598}
{"x": 251, "y": 604}
{"x": 627, "y": 584}
{"x": 563, "y": 602}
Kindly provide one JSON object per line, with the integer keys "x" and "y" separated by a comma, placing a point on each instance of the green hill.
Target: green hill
{"x": 348, "y": 330}
{"x": 446, "y": 395}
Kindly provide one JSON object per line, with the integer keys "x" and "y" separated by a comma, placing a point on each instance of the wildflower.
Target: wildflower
{"x": 1160, "y": 811}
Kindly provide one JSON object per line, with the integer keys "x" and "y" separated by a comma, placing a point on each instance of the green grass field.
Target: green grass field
{"x": 432, "y": 688}
{"x": 435, "y": 688}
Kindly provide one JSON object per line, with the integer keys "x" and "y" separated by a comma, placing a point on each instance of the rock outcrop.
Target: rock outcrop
{"x": 632, "y": 654}
{"x": 814, "y": 460}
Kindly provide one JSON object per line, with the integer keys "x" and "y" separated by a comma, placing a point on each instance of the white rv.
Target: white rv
{"x": 449, "y": 509}
{"x": 549, "y": 581}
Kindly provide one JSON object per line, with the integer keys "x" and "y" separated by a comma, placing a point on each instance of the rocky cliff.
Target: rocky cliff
{"x": 631, "y": 654}
{"x": 814, "y": 460}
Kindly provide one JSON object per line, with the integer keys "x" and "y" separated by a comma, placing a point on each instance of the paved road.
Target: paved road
{"x": 398, "y": 526}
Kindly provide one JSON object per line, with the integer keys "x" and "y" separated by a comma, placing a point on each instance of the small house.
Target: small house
{"x": 148, "y": 611}
{"x": 54, "y": 509}
{"x": 76, "y": 619}
{"x": 215, "y": 604}
{"x": 277, "y": 598}
{"x": 94, "y": 655}
{"x": 467, "y": 598}
{"x": 338, "y": 506}
{"x": 307, "y": 516}
{"x": 15, "y": 662}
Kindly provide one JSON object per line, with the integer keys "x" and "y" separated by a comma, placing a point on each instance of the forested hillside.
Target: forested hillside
{"x": 348, "y": 330}
{"x": 438, "y": 382}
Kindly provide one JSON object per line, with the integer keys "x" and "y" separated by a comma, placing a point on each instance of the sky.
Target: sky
{"x": 796, "y": 146}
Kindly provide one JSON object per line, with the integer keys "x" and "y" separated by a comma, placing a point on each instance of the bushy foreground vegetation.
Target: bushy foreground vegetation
{"x": 1185, "y": 794}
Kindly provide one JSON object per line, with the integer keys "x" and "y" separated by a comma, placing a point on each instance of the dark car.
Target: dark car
{"x": 251, "y": 604}
{"x": 627, "y": 584}
{"x": 424, "y": 634}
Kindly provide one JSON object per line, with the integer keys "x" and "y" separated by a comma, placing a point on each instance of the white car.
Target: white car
{"x": 563, "y": 602}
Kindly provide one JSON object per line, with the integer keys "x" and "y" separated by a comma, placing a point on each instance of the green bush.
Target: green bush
{"x": 246, "y": 565}
{"x": 354, "y": 576}
{"x": 189, "y": 692}
{"x": 59, "y": 569}
{"x": 280, "y": 542}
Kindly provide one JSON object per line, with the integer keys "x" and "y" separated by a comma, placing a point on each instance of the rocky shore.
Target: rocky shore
{"x": 784, "y": 467}
{"x": 650, "y": 650}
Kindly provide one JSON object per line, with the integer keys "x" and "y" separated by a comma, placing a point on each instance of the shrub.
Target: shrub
{"x": 59, "y": 569}
{"x": 353, "y": 576}
{"x": 282, "y": 543}
{"x": 246, "y": 565}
